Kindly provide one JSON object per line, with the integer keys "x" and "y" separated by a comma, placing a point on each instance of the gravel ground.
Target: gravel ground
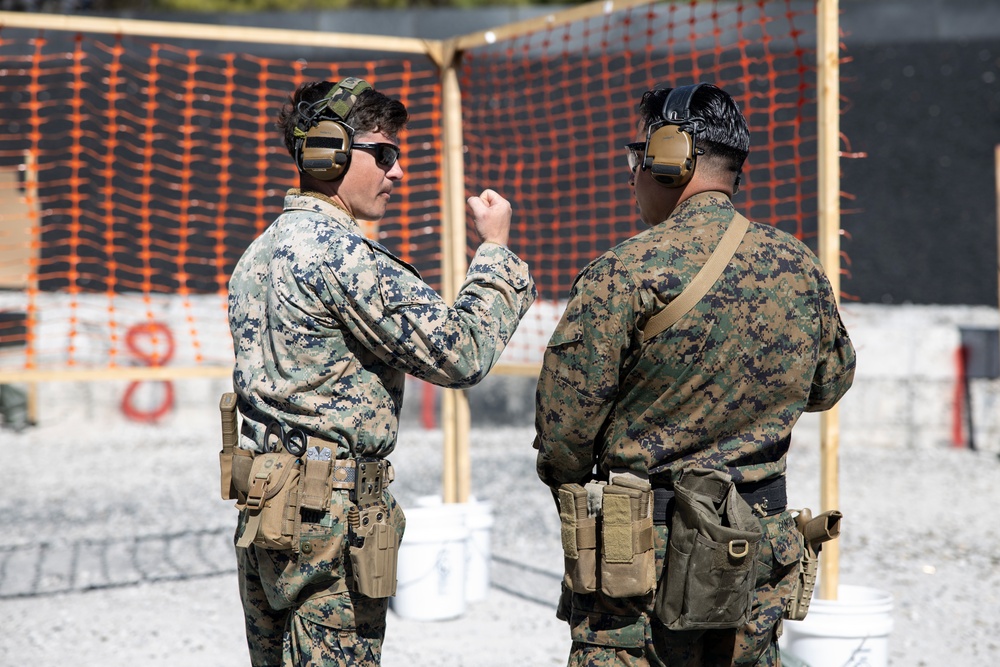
{"x": 118, "y": 550}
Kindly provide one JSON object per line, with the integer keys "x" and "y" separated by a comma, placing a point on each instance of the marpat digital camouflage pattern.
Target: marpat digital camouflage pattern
{"x": 720, "y": 389}
{"x": 326, "y": 324}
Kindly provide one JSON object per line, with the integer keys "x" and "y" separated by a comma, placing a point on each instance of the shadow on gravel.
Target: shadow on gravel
{"x": 525, "y": 581}
{"x": 51, "y": 568}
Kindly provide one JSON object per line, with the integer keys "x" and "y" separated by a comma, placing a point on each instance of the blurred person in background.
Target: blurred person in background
{"x": 632, "y": 406}
{"x": 326, "y": 323}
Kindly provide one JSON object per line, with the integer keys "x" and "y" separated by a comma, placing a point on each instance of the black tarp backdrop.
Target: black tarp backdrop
{"x": 923, "y": 102}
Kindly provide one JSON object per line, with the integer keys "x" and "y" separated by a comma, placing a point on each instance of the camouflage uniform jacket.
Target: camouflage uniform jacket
{"x": 722, "y": 388}
{"x": 326, "y": 323}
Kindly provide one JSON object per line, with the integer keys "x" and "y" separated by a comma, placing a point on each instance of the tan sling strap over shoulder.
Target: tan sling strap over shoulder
{"x": 702, "y": 282}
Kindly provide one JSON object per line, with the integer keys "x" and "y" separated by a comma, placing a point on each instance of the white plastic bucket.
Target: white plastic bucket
{"x": 851, "y": 631}
{"x": 430, "y": 573}
{"x": 478, "y": 518}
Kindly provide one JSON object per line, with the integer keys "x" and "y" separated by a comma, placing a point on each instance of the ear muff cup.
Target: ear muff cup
{"x": 670, "y": 156}
{"x": 323, "y": 138}
{"x": 670, "y": 145}
{"x": 326, "y": 150}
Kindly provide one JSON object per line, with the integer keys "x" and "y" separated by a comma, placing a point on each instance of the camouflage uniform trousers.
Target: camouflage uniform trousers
{"x": 626, "y": 632}
{"x": 300, "y": 610}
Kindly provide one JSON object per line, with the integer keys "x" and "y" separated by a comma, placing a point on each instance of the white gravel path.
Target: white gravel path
{"x": 117, "y": 550}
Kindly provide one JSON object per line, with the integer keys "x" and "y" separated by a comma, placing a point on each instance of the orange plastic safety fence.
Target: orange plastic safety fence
{"x": 547, "y": 115}
{"x": 133, "y": 172}
{"x": 139, "y": 170}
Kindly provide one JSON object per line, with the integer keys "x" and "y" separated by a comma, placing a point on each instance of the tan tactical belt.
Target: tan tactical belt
{"x": 343, "y": 473}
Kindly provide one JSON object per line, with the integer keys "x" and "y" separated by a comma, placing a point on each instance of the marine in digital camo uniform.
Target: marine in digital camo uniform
{"x": 719, "y": 390}
{"x": 326, "y": 323}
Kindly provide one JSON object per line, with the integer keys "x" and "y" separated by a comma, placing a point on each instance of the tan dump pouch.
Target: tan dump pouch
{"x": 710, "y": 572}
{"x": 628, "y": 562}
{"x": 272, "y": 502}
{"x": 579, "y": 539}
{"x": 374, "y": 550}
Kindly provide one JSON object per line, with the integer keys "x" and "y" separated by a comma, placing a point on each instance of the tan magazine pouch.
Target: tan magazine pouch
{"x": 579, "y": 539}
{"x": 628, "y": 563}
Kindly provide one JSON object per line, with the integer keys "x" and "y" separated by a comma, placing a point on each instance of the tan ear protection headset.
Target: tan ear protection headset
{"x": 322, "y": 138}
{"x": 671, "y": 151}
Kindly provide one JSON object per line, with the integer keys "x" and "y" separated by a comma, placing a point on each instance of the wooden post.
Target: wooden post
{"x": 216, "y": 33}
{"x": 455, "y": 417}
{"x": 997, "y": 169}
{"x": 828, "y": 85}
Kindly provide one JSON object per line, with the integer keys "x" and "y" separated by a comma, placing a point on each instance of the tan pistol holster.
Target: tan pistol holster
{"x": 814, "y": 531}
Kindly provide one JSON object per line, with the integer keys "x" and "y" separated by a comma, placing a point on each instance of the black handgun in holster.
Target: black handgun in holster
{"x": 815, "y": 532}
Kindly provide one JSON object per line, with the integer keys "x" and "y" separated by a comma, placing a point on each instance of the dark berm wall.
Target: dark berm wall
{"x": 923, "y": 91}
{"x": 922, "y": 102}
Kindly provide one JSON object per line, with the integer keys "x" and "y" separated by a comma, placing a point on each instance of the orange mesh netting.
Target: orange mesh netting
{"x": 143, "y": 170}
{"x": 547, "y": 115}
{"x": 134, "y": 172}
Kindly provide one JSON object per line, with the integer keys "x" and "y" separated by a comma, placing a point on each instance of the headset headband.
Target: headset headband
{"x": 341, "y": 98}
{"x": 677, "y": 106}
{"x": 335, "y": 105}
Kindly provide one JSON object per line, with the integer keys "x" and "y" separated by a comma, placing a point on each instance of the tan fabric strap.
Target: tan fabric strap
{"x": 702, "y": 282}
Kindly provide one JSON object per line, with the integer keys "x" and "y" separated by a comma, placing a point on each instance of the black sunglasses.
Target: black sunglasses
{"x": 636, "y": 153}
{"x": 385, "y": 154}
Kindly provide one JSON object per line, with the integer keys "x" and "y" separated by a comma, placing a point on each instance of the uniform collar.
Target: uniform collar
{"x": 314, "y": 202}
{"x": 702, "y": 199}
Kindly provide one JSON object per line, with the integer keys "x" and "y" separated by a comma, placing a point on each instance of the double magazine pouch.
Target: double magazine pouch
{"x": 710, "y": 571}
{"x": 607, "y": 536}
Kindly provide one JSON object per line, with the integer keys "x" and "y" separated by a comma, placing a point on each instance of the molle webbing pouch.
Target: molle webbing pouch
{"x": 628, "y": 563}
{"x": 316, "y": 488}
{"x": 710, "y": 572}
{"x": 579, "y": 539}
{"x": 272, "y": 503}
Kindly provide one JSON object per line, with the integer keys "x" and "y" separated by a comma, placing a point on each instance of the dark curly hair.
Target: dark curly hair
{"x": 723, "y": 133}
{"x": 373, "y": 111}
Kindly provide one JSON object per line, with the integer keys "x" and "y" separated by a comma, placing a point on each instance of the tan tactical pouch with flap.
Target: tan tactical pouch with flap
{"x": 272, "y": 503}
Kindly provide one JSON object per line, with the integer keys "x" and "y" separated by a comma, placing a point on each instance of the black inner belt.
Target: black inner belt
{"x": 768, "y": 494}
